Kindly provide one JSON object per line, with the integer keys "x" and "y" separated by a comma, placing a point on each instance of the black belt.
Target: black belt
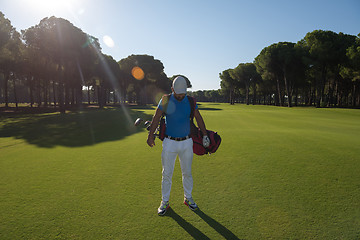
{"x": 178, "y": 138}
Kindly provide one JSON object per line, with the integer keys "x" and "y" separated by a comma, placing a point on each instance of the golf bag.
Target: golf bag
{"x": 162, "y": 128}
{"x": 197, "y": 135}
{"x": 198, "y": 146}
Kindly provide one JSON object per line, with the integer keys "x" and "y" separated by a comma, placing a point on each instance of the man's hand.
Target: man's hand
{"x": 206, "y": 141}
{"x": 151, "y": 140}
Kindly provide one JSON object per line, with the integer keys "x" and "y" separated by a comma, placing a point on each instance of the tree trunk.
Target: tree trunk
{"x": 279, "y": 91}
{"x": 61, "y": 97}
{"x": 330, "y": 98}
{"x": 318, "y": 94}
{"x": 123, "y": 95}
{"x": 287, "y": 88}
{"x": 321, "y": 88}
{"x": 353, "y": 95}
{"x": 247, "y": 94}
{"x": 114, "y": 96}
{"x": 15, "y": 95}
{"x": 296, "y": 97}
{"x": 358, "y": 98}
{"x": 6, "y": 96}
{"x": 72, "y": 95}
{"x": 254, "y": 95}
{"x": 100, "y": 93}
{"x": 67, "y": 95}
{"x": 231, "y": 97}
{"x": 46, "y": 93}
{"x": 336, "y": 101}
{"x": 79, "y": 96}
{"x": 61, "y": 90}
{"x": 88, "y": 95}
{"x": 54, "y": 93}
{"x": 38, "y": 92}
{"x": 276, "y": 98}
{"x": 31, "y": 87}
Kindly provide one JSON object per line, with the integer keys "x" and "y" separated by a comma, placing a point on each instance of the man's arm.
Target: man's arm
{"x": 153, "y": 126}
{"x": 201, "y": 125}
{"x": 200, "y": 122}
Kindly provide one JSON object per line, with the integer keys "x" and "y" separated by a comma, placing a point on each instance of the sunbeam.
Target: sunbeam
{"x": 113, "y": 82}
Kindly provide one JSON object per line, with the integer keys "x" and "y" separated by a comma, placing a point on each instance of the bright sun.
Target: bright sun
{"x": 48, "y": 8}
{"x": 72, "y": 10}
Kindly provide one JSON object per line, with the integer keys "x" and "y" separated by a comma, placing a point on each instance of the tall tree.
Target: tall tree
{"x": 228, "y": 85}
{"x": 153, "y": 80}
{"x": 246, "y": 76}
{"x": 327, "y": 51}
{"x": 266, "y": 64}
{"x": 10, "y": 52}
{"x": 284, "y": 62}
{"x": 351, "y": 71}
{"x": 70, "y": 49}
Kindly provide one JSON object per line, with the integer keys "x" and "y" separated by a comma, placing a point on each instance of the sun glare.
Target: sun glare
{"x": 59, "y": 8}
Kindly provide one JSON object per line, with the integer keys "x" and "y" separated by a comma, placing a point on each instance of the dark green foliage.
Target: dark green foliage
{"x": 56, "y": 61}
{"x": 322, "y": 70}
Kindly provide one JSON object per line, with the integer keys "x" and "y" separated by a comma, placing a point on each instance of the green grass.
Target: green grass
{"x": 279, "y": 173}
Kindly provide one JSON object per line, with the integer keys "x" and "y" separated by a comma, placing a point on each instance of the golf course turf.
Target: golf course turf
{"x": 280, "y": 173}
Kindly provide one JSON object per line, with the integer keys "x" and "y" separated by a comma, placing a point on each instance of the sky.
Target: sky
{"x": 195, "y": 38}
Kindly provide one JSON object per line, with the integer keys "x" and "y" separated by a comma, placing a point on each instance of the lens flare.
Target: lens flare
{"x": 137, "y": 73}
{"x": 108, "y": 41}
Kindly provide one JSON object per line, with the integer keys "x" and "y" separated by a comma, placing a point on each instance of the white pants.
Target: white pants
{"x": 171, "y": 149}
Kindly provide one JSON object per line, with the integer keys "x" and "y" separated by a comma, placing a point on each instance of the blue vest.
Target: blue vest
{"x": 177, "y": 117}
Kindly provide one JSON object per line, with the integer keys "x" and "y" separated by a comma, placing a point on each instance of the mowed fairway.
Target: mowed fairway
{"x": 279, "y": 173}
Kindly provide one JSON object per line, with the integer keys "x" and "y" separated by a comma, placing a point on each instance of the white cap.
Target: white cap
{"x": 179, "y": 85}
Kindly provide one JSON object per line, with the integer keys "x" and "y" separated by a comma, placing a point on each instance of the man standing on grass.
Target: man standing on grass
{"x": 177, "y": 141}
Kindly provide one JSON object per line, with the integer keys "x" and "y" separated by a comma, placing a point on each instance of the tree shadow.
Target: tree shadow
{"x": 210, "y": 109}
{"x": 196, "y": 233}
{"x": 74, "y": 129}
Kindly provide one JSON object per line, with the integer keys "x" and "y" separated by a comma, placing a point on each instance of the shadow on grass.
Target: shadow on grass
{"x": 222, "y": 230}
{"x": 208, "y": 108}
{"x": 190, "y": 229}
{"x": 74, "y": 129}
{"x": 196, "y": 233}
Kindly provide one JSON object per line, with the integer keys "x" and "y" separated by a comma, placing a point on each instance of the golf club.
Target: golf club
{"x": 138, "y": 122}
{"x": 147, "y": 125}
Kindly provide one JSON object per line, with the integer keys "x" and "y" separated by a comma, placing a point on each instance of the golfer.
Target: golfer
{"x": 177, "y": 142}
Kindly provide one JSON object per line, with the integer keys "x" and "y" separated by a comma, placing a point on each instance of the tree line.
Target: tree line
{"x": 55, "y": 63}
{"x": 322, "y": 70}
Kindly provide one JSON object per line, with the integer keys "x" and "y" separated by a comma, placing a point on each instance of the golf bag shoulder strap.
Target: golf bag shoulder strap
{"x": 162, "y": 124}
{"x": 193, "y": 128}
{"x": 192, "y": 102}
